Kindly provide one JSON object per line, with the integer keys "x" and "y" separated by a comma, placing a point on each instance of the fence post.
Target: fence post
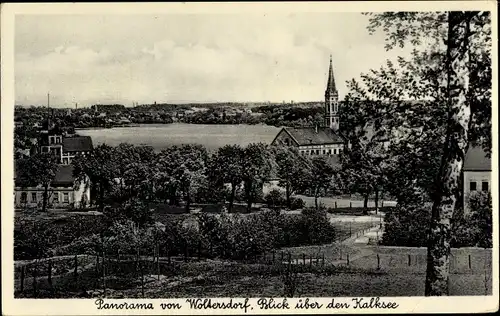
{"x": 382, "y": 203}
{"x": 49, "y": 273}
{"x": 35, "y": 274}
{"x": 75, "y": 272}
{"x": 470, "y": 266}
{"x": 378, "y": 262}
{"x": 303, "y": 258}
{"x": 348, "y": 259}
{"x": 97, "y": 263}
{"x": 158, "y": 260}
{"x": 350, "y": 204}
{"x": 104, "y": 273}
{"x": 310, "y": 261}
{"x": 323, "y": 260}
{"x": 289, "y": 258}
{"x": 23, "y": 271}
{"x": 409, "y": 260}
{"x": 335, "y": 204}
{"x": 142, "y": 277}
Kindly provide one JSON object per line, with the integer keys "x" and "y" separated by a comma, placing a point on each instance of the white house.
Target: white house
{"x": 63, "y": 191}
{"x": 476, "y": 173}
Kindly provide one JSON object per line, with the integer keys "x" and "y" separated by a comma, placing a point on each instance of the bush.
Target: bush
{"x": 275, "y": 199}
{"x": 474, "y": 229}
{"x": 408, "y": 226}
{"x": 482, "y": 219}
{"x": 297, "y": 203}
{"x": 316, "y": 227}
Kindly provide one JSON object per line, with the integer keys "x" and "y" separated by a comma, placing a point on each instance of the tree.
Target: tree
{"x": 226, "y": 166}
{"x": 38, "y": 170}
{"x": 257, "y": 166}
{"x": 364, "y": 169}
{"x": 319, "y": 179}
{"x": 454, "y": 75}
{"x": 292, "y": 170}
{"x": 180, "y": 171}
{"x": 100, "y": 167}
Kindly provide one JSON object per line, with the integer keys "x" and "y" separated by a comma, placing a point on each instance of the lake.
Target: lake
{"x": 161, "y": 136}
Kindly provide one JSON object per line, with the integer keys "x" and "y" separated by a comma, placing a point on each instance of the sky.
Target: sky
{"x": 184, "y": 58}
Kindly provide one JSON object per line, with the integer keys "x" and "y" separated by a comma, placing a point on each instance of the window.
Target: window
{"x": 24, "y": 197}
{"x": 55, "y": 198}
{"x": 472, "y": 186}
{"x": 33, "y": 197}
{"x": 484, "y": 186}
{"x": 334, "y": 151}
{"x": 317, "y": 152}
{"x": 66, "y": 197}
{"x": 324, "y": 152}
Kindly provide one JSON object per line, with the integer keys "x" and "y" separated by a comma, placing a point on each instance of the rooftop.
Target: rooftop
{"x": 77, "y": 143}
{"x": 476, "y": 160}
{"x": 63, "y": 177}
{"x": 311, "y": 136}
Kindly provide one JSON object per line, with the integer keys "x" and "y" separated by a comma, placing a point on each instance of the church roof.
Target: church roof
{"x": 330, "y": 86}
{"x": 77, "y": 143}
{"x": 476, "y": 160}
{"x": 305, "y": 136}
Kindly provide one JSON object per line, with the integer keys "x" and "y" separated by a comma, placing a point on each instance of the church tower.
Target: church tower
{"x": 331, "y": 101}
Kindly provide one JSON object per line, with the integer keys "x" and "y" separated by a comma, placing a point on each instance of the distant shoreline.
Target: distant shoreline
{"x": 165, "y": 124}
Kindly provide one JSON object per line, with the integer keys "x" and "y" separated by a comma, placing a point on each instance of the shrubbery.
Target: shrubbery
{"x": 275, "y": 199}
{"x": 229, "y": 236}
{"x": 408, "y": 226}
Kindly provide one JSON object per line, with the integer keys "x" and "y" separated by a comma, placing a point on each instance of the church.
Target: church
{"x": 323, "y": 140}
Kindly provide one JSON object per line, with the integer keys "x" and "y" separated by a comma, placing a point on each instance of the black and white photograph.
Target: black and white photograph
{"x": 250, "y": 159}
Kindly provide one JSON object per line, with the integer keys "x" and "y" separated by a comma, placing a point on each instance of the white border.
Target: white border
{"x": 12, "y": 306}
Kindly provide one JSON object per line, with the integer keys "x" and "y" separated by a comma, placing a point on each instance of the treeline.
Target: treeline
{"x": 115, "y": 114}
{"x": 182, "y": 175}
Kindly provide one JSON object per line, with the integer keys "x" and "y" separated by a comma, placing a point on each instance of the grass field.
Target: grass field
{"x": 210, "y": 278}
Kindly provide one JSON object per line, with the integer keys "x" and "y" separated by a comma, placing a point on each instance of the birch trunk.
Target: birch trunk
{"x": 456, "y": 83}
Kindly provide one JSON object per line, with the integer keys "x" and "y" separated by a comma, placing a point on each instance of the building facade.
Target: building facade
{"x": 476, "y": 174}
{"x": 323, "y": 140}
{"x": 64, "y": 191}
{"x": 65, "y": 148}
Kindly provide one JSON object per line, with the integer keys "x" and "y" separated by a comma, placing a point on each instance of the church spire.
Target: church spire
{"x": 330, "y": 86}
{"x": 332, "y": 118}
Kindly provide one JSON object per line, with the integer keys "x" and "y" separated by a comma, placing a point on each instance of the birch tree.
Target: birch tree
{"x": 453, "y": 74}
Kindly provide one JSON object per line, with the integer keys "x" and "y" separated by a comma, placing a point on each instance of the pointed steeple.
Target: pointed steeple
{"x": 330, "y": 86}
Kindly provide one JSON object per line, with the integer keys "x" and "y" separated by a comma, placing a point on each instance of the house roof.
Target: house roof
{"x": 311, "y": 136}
{"x": 77, "y": 143}
{"x": 63, "y": 177}
{"x": 476, "y": 160}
